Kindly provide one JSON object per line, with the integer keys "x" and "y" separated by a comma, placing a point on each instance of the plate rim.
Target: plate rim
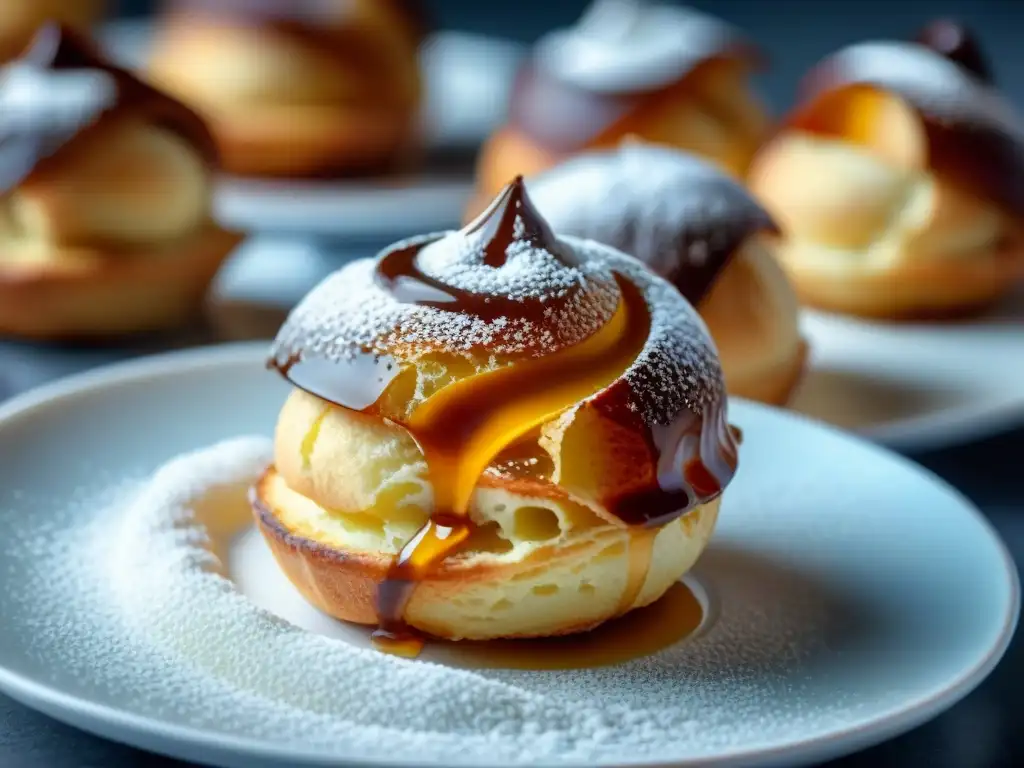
{"x": 183, "y": 741}
{"x": 946, "y": 428}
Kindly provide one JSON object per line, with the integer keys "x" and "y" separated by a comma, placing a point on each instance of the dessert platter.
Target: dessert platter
{"x": 369, "y": 143}
{"x": 858, "y": 259}
{"x": 895, "y": 184}
{"x": 486, "y": 495}
{"x": 888, "y": 196}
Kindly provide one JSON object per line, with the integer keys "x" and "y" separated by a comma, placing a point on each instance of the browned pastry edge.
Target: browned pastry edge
{"x": 343, "y": 584}
{"x": 109, "y": 294}
{"x": 333, "y": 142}
{"x": 777, "y": 386}
{"x": 919, "y": 291}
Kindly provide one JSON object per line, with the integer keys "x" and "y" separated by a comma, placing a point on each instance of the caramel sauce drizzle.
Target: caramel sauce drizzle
{"x": 465, "y": 426}
{"x": 27, "y": 146}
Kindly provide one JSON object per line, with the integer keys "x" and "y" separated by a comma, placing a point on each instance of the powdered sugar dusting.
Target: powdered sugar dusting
{"x": 677, "y": 369}
{"x": 623, "y": 45}
{"x": 349, "y": 312}
{"x": 663, "y": 206}
{"x": 931, "y": 82}
{"x": 131, "y": 574}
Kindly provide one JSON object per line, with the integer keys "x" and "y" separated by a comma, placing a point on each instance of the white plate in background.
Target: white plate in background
{"x": 917, "y": 386}
{"x": 852, "y": 596}
{"x": 467, "y": 81}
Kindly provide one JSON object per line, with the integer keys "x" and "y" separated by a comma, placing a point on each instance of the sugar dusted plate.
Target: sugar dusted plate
{"x": 847, "y": 596}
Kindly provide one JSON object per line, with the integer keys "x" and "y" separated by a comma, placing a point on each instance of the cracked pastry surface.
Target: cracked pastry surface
{"x": 703, "y": 232}
{"x": 896, "y": 183}
{"x": 301, "y": 88}
{"x": 495, "y": 432}
{"x": 666, "y": 74}
{"x": 104, "y": 198}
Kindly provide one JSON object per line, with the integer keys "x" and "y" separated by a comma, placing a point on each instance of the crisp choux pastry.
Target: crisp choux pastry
{"x": 494, "y": 433}
{"x": 896, "y": 181}
{"x": 105, "y": 216}
{"x": 664, "y": 73}
{"x": 297, "y": 87}
{"x": 703, "y": 232}
{"x": 20, "y": 19}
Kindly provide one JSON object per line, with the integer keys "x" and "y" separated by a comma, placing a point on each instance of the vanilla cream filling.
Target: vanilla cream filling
{"x": 372, "y": 492}
{"x": 844, "y": 209}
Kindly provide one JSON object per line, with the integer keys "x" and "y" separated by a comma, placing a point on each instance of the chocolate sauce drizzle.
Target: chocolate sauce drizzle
{"x": 475, "y": 422}
{"x": 62, "y": 89}
{"x": 563, "y": 114}
{"x": 975, "y": 137}
{"x": 955, "y": 42}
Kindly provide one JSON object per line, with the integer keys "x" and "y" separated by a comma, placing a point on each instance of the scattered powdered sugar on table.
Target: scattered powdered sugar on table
{"x": 134, "y": 604}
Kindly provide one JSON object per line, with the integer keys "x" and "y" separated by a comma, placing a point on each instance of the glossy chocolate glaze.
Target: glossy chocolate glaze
{"x": 678, "y": 214}
{"x": 564, "y": 111}
{"x": 974, "y": 136}
{"x": 62, "y": 89}
{"x": 955, "y": 42}
{"x": 468, "y": 425}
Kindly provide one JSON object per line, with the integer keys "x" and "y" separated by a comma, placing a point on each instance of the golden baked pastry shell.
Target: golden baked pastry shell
{"x": 94, "y": 294}
{"x": 566, "y": 587}
{"x": 912, "y": 290}
{"x": 312, "y": 141}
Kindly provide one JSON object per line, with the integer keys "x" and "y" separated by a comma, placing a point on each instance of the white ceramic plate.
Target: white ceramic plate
{"x": 917, "y": 386}
{"x": 467, "y": 80}
{"x": 849, "y": 594}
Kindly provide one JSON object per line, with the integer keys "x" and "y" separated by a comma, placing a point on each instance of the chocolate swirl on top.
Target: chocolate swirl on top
{"x": 555, "y": 325}
{"x": 676, "y": 213}
{"x": 956, "y": 43}
{"x": 581, "y": 81}
{"x": 975, "y": 137}
{"x": 61, "y": 90}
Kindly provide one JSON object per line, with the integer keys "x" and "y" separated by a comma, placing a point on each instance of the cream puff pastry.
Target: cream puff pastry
{"x": 495, "y": 432}
{"x": 703, "y": 232}
{"x": 297, "y": 87}
{"x": 20, "y": 19}
{"x": 896, "y": 181}
{"x": 105, "y": 211}
{"x": 664, "y": 73}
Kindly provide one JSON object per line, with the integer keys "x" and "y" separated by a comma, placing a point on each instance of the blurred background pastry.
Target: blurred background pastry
{"x": 701, "y": 230}
{"x": 663, "y": 72}
{"x": 297, "y": 87}
{"x": 494, "y": 432}
{"x": 896, "y": 181}
{"x": 19, "y": 20}
{"x": 105, "y": 219}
